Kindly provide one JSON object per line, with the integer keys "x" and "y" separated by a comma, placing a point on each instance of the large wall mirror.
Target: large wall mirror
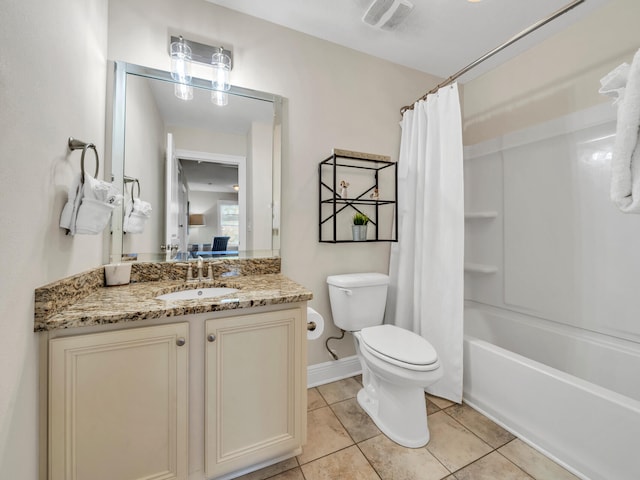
{"x": 209, "y": 172}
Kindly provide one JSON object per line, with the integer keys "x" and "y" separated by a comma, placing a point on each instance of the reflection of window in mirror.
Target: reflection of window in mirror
{"x": 229, "y": 225}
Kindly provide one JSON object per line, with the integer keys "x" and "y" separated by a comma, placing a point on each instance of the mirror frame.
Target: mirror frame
{"x": 113, "y": 249}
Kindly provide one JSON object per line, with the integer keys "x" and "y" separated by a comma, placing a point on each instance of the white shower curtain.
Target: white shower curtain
{"x": 427, "y": 263}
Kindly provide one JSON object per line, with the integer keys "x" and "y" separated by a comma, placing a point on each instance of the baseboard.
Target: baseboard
{"x": 328, "y": 372}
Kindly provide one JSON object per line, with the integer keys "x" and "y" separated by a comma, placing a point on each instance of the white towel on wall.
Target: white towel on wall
{"x": 136, "y": 215}
{"x": 623, "y": 83}
{"x": 89, "y": 206}
{"x": 70, "y": 210}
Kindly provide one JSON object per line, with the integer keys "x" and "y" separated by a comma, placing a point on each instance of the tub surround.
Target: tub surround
{"x": 590, "y": 429}
{"x": 84, "y": 300}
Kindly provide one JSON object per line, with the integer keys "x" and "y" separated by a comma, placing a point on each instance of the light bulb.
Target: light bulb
{"x": 182, "y": 91}
{"x": 221, "y": 63}
{"x": 181, "y": 61}
{"x": 219, "y": 98}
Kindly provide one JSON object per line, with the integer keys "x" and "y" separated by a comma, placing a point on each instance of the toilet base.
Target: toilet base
{"x": 401, "y": 414}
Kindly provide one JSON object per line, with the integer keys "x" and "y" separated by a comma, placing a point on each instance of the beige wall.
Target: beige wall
{"x": 335, "y": 97}
{"x": 145, "y": 145}
{"x": 557, "y": 77}
{"x": 52, "y": 86}
{"x": 204, "y": 140}
{"x": 260, "y": 190}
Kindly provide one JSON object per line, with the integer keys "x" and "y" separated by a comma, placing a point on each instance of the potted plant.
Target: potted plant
{"x": 359, "y": 227}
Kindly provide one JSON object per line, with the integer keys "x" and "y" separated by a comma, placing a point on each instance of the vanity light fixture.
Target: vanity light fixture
{"x": 184, "y": 52}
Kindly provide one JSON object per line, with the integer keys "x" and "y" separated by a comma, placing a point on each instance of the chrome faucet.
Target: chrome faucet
{"x": 200, "y": 267}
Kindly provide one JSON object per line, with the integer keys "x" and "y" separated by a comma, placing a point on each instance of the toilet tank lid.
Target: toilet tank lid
{"x": 351, "y": 280}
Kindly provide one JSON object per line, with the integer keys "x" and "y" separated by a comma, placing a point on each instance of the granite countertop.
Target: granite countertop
{"x": 96, "y": 304}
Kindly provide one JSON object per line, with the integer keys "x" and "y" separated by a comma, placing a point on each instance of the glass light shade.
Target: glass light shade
{"x": 219, "y": 98}
{"x": 182, "y": 91}
{"x": 180, "y": 61}
{"x": 221, "y": 71}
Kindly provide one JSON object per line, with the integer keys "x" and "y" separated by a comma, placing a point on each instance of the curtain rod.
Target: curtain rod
{"x": 490, "y": 54}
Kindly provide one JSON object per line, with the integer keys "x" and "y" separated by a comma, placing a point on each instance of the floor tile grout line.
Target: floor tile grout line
{"x": 474, "y": 433}
{"x": 349, "y": 433}
{"x": 367, "y": 458}
{"x": 515, "y": 464}
{"x": 357, "y": 444}
{"x": 471, "y": 463}
{"x": 448, "y": 410}
{"x": 444, "y": 410}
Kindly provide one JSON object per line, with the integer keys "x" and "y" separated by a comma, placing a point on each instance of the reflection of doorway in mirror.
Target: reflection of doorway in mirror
{"x": 215, "y": 180}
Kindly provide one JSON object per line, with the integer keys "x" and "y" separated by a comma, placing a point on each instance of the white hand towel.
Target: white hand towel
{"x": 625, "y": 164}
{"x": 136, "y": 215}
{"x": 70, "y": 210}
{"x": 89, "y": 206}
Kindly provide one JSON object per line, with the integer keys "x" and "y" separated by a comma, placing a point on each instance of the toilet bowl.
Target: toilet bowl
{"x": 397, "y": 365}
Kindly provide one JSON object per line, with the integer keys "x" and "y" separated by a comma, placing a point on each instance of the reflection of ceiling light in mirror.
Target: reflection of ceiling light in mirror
{"x": 182, "y": 91}
{"x": 221, "y": 63}
{"x": 236, "y": 187}
{"x": 219, "y": 98}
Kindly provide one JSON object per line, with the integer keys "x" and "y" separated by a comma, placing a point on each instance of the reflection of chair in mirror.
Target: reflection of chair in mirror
{"x": 219, "y": 244}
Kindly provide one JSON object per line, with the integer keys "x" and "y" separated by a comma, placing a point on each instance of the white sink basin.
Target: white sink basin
{"x": 197, "y": 293}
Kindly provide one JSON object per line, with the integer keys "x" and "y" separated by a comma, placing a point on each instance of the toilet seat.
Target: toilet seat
{"x": 399, "y": 347}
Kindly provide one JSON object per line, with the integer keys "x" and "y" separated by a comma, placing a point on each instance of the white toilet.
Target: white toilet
{"x": 396, "y": 364}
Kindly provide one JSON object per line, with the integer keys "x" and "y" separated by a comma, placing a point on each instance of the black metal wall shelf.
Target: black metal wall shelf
{"x": 372, "y": 171}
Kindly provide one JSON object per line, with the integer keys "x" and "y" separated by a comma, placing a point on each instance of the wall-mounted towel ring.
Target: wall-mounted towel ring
{"x": 132, "y": 181}
{"x": 75, "y": 144}
{"x": 137, "y": 182}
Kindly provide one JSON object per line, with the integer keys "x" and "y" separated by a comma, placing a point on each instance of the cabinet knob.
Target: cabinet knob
{"x": 211, "y": 337}
{"x": 180, "y": 341}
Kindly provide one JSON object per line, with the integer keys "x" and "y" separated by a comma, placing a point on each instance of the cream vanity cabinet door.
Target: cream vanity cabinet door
{"x": 118, "y": 404}
{"x": 255, "y": 389}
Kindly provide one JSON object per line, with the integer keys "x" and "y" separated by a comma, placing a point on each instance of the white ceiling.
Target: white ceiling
{"x": 438, "y": 37}
{"x": 210, "y": 177}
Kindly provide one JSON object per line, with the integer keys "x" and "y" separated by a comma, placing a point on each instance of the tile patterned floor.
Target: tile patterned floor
{"x": 344, "y": 444}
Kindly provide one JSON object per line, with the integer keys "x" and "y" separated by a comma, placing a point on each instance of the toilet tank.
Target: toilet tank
{"x": 358, "y": 299}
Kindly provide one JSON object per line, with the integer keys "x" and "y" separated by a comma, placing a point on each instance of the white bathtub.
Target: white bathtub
{"x": 573, "y": 395}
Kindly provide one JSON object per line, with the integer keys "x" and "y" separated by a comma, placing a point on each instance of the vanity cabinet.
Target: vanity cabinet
{"x": 118, "y": 404}
{"x": 255, "y": 389}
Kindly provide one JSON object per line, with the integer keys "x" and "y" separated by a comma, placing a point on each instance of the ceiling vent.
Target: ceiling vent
{"x": 387, "y": 14}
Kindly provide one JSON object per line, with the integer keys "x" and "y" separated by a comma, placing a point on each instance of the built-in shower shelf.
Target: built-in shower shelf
{"x": 485, "y": 214}
{"x": 479, "y": 268}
